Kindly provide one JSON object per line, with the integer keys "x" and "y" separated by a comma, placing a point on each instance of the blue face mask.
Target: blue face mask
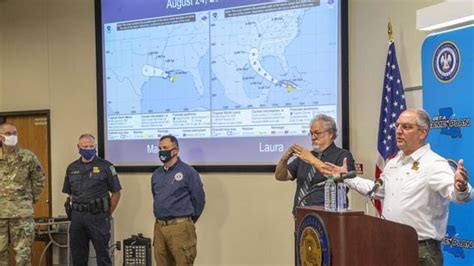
{"x": 87, "y": 153}
{"x": 165, "y": 155}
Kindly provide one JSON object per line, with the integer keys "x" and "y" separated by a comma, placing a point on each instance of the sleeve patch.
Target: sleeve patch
{"x": 112, "y": 169}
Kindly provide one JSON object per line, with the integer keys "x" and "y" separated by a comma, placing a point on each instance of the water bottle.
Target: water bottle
{"x": 341, "y": 197}
{"x": 330, "y": 194}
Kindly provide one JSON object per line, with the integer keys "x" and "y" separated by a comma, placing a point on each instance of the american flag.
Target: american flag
{"x": 393, "y": 103}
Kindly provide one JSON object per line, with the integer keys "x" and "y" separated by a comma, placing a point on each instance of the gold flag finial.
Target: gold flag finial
{"x": 390, "y": 30}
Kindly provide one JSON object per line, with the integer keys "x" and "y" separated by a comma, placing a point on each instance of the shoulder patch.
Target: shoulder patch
{"x": 112, "y": 169}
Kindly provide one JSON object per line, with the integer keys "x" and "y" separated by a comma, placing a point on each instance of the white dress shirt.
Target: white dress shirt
{"x": 416, "y": 191}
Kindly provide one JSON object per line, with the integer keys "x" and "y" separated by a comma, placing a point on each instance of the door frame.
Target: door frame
{"x": 45, "y": 112}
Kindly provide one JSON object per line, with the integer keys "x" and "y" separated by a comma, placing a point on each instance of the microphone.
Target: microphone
{"x": 378, "y": 183}
{"x": 342, "y": 177}
{"x": 348, "y": 175}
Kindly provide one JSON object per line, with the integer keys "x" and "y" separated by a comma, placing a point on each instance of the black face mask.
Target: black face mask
{"x": 165, "y": 155}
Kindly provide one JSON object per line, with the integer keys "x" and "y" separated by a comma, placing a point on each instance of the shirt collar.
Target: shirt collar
{"x": 327, "y": 151}
{"x": 3, "y": 156}
{"x": 173, "y": 166}
{"x": 92, "y": 161}
{"x": 416, "y": 155}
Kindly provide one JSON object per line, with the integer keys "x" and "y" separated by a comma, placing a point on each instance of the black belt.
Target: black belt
{"x": 428, "y": 242}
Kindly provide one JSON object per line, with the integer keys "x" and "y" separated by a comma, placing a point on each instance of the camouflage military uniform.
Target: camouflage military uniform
{"x": 21, "y": 182}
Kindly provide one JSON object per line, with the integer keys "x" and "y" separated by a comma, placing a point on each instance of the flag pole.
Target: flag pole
{"x": 393, "y": 104}
{"x": 390, "y": 30}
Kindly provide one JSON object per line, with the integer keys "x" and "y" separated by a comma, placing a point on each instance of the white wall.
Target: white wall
{"x": 24, "y": 47}
{"x": 47, "y": 61}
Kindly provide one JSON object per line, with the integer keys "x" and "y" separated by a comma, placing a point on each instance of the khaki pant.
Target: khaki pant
{"x": 429, "y": 254}
{"x": 20, "y": 234}
{"x": 175, "y": 242}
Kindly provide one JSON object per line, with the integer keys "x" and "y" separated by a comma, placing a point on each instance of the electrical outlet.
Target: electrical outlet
{"x": 118, "y": 245}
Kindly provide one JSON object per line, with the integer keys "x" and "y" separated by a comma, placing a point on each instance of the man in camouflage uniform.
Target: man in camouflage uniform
{"x": 21, "y": 182}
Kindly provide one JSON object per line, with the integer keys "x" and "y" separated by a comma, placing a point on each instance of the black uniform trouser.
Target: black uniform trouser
{"x": 86, "y": 227}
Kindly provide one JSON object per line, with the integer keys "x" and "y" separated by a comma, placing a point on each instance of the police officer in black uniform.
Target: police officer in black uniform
{"x": 94, "y": 192}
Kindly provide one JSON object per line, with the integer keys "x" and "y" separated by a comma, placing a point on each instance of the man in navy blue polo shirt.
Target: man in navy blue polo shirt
{"x": 307, "y": 166}
{"x": 178, "y": 201}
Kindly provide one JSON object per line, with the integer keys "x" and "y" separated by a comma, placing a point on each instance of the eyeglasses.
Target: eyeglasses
{"x": 405, "y": 126}
{"x": 317, "y": 134}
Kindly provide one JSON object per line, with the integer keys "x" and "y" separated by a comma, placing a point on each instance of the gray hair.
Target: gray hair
{"x": 422, "y": 119}
{"x": 328, "y": 124}
{"x": 87, "y": 135}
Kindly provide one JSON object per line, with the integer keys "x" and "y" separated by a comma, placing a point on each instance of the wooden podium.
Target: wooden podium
{"x": 359, "y": 239}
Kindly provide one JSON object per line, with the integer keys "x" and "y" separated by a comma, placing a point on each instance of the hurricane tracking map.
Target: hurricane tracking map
{"x": 239, "y": 71}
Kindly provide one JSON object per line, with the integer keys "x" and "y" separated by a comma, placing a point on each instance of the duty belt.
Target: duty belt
{"x": 95, "y": 206}
{"x": 80, "y": 207}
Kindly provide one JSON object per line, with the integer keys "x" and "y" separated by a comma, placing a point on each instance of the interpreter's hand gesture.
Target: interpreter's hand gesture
{"x": 288, "y": 153}
{"x": 460, "y": 177}
{"x": 304, "y": 154}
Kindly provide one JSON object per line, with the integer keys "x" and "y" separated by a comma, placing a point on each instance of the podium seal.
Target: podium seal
{"x": 312, "y": 242}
